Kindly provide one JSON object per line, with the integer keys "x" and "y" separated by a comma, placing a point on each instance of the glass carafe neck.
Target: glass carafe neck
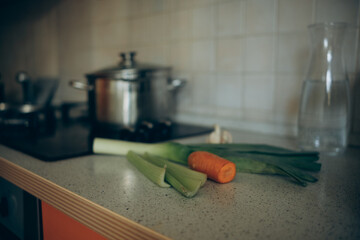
{"x": 326, "y": 59}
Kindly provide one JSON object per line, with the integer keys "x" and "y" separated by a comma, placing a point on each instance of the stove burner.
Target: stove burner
{"x": 146, "y": 131}
{"x": 41, "y": 122}
{"x": 49, "y": 137}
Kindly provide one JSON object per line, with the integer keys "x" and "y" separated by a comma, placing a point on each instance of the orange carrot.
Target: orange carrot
{"x": 216, "y": 168}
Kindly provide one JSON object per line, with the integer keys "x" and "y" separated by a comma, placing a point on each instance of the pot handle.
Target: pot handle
{"x": 176, "y": 83}
{"x": 80, "y": 85}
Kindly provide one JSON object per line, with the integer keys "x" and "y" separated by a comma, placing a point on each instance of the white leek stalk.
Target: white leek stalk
{"x": 173, "y": 151}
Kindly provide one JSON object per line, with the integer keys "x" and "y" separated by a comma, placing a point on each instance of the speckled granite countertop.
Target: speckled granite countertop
{"x": 250, "y": 207}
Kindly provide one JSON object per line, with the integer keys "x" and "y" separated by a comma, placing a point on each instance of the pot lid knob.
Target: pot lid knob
{"x": 127, "y": 59}
{"x": 22, "y": 76}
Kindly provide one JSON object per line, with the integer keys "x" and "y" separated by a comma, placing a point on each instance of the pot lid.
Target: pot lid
{"x": 127, "y": 69}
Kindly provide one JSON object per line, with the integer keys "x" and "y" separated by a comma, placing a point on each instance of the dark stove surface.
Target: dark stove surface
{"x": 75, "y": 139}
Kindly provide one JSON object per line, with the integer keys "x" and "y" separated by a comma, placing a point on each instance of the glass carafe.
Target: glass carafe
{"x": 323, "y": 120}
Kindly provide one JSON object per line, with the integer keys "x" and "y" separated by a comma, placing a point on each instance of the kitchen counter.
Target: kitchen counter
{"x": 251, "y": 207}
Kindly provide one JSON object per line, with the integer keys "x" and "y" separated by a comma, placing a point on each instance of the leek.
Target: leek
{"x": 154, "y": 173}
{"x": 251, "y": 158}
{"x": 183, "y": 179}
{"x": 186, "y": 187}
{"x": 169, "y": 150}
{"x": 178, "y": 171}
{"x": 253, "y": 148}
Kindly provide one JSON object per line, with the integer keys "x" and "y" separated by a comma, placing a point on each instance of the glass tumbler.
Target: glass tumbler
{"x": 324, "y": 113}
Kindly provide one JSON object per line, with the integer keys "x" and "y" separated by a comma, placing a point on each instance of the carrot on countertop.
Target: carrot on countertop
{"x": 217, "y": 168}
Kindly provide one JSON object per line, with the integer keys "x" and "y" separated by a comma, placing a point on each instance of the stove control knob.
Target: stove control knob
{"x": 4, "y": 207}
{"x": 23, "y": 78}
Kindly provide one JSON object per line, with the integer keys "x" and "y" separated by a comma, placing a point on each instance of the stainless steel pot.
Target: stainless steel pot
{"x": 125, "y": 95}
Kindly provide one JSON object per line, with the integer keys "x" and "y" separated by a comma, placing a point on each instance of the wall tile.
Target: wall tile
{"x": 138, "y": 8}
{"x": 203, "y": 25}
{"x": 139, "y": 30}
{"x": 181, "y": 25}
{"x": 153, "y": 54}
{"x": 259, "y": 92}
{"x": 109, "y": 10}
{"x": 243, "y": 59}
{"x": 106, "y": 56}
{"x": 293, "y": 53}
{"x": 181, "y": 55}
{"x": 350, "y": 46}
{"x": 45, "y": 37}
{"x": 298, "y": 20}
{"x": 255, "y": 118}
{"x": 260, "y": 16}
{"x": 159, "y": 29}
{"x": 260, "y": 53}
{"x": 156, "y": 6}
{"x": 182, "y": 4}
{"x": 231, "y": 18}
{"x": 203, "y": 2}
{"x": 229, "y": 114}
{"x": 184, "y": 97}
{"x": 73, "y": 40}
{"x": 110, "y": 34}
{"x": 230, "y": 54}
{"x": 74, "y": 66}
{"x": 337, "y": 11}
{"x": 204, "y": 86}
{"x": 287, "y": 96}
{"x": 203, "y": 55}
{"x": 75, "y": 13}
{"x": 229, "y": 91}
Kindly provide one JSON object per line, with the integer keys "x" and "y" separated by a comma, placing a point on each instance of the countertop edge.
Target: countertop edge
{"x": 92, "y": 215}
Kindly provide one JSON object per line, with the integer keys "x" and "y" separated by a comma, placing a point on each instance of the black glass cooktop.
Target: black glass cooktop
{"x": 75, "y": 139}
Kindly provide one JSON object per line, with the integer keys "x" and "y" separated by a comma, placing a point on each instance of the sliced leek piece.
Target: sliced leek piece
{"x": 178, "y": 171}
{"x": 152, "y": 172}
{"x": 188, "y": 188}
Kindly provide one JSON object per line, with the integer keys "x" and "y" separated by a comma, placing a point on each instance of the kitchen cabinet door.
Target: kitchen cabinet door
{"x": 59, "y": 226}
{"x": 19, "y": 213}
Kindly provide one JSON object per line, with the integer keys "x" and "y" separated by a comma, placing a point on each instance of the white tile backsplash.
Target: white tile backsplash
{"x": 243, "y": 59}
{"x": 182, "y": 4}
{"x": 203, "y": 57}
{"x": 160, "y": 33}
{"x": 293, "y": 52}
{"x": 181, "y": 55}
{"x": 260, "y": 53}
{"x": 230, "y": 54}
{"x": 287, "y": 95}
{"x": 184, "y": 96}
{"x": 203, "y": 22}
{"x": 295, "y": 20}
{"x": 181, "y": 22}
{"x": 337, "y": 11}
{"x": 157, "y": 54}
{"x": 110, "y": 34}
{"x": 75, "y": 13}
{"x": 109, "y": 10}
{"x": 203, "y": 92}
{"x": 229, "y": 91}
{"x": 139, "y": 30}
{"x": 260, "y": 16}
{"x": 259, "y": 92}
{"x": 203, "y": 2}
{"x": 231, "y": 18}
